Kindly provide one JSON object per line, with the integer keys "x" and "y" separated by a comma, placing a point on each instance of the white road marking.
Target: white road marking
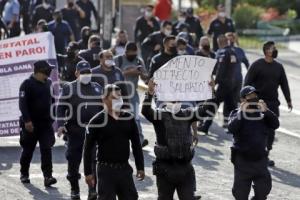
{"x": 294, "y": 111}
{"x": 287, "y": 132}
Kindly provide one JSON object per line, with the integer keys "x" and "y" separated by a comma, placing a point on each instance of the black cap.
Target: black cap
{"x": 247, "y": 90}
{"x": 41, "y": 64}
{"x": 83, "y": 66}
{"x": 190, "y": 11}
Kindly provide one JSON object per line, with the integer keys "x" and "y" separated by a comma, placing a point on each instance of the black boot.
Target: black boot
{"x": 24, "y": 178}
{"x": 48, "y": 181}
{"x": 75, "y": 191}
{"x": 92, "y": 194}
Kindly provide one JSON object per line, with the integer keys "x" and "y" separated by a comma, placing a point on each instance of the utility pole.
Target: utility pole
{"x": 228, "y": 7}
{"x": 179, "y": 4}
{"x": 106, "y": 22}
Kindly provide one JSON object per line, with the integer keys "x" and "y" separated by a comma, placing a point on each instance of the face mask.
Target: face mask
{"x": 173, "y": 107}
{"x": 181, "y": 52}
{"x": 167, "y": 32}
{"x": 275, "y": 53}
{"x": 181, "y": 19}
{"x": 47, "y": 72}
{"x": 131, "y": 57}
{"x": 173, "y": 50}
{"x": 206, "y": 47}
{"x": 148, "y": 14}
{"x": 109, "y": 63}
{"x": 117, "y": 104}
{"x": 222, "y": 14}
{"x": 85, "y": 78}
{"x": 70, "y": 4}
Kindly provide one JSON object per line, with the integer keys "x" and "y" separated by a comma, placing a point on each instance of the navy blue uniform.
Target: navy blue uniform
{"x": 217, "y": 28}
{"x": 35, "y": 105}
{"x": 249, "y": 152}
{"x": 82, "y": 102}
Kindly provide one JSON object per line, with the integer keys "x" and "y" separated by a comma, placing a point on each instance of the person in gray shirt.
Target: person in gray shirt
{"x": 133, "y": 68}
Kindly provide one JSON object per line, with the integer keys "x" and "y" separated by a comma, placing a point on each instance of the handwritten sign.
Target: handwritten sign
{"x": 185, "y": 78}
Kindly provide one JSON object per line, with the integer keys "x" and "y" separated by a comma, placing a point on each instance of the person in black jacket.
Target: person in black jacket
{"x": 3, "y": 27}
{"x": 266, "y": 75}
{"x": 112, "y": 130}
{"x": 92, "y": 53}
{"x": 145, "y": 25}
{"x": 153, "y": 44}
{"x": 249, "y": 125}
{"x": 175, "y": 144}
{"x": 169, "y": 51}
{"x": 194, "y": 25}
{"x": 35, "y": 102}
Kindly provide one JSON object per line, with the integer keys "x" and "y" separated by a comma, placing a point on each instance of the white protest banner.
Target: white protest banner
{"x": 17, "y": 56}
{"x": 185, "y": 78}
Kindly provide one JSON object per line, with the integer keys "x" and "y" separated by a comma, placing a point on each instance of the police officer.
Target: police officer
{"x": 266, "y": 75}
{"x": 248, "y": 124}
{"x": 153, "y": 44}
{"x": 174, "y": 149}
{"x": 219, "y": 26}
{"x": 35, "y": 102}
{"x": 91, "y": 54}
{"x": 112, "y": 129}
{"x": 224, "y": 80}
{"x": 169, "y": 51}
{"x": 78, "y": 99}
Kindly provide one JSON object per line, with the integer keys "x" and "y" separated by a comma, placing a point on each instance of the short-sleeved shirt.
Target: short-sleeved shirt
{"x": 11, "y": 8}
{"x": 62, "y": 32}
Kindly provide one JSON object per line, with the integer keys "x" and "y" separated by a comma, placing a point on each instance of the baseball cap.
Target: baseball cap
{"x": 83, "y": 66}
{"x": 41, "y": 64}
{"x": 247, "y": 90}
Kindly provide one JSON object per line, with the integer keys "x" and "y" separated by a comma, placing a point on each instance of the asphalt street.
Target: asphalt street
{"x": 214, "y": 170}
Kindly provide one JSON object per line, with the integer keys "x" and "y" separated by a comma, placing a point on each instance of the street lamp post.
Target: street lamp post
{"x": 106, "y": 22}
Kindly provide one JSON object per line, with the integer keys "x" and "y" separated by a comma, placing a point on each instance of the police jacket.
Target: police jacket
{"x": 158, "y": 61}
{"x": 250, "y": 132}
{"x": 78, "y": 103}
{"x": 91, "y": 56}
{"x": 35, "y": 101}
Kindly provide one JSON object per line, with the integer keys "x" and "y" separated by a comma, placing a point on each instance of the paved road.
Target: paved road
{"x": 213, "y": 168}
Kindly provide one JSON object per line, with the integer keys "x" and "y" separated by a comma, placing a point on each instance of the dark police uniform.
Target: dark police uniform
{"x": 142, "y": 29}
{"x": 224, "y": 70}
{"x": 249, "y": 154}
{"x": 35, "y": 102}
{"x": 114, "y": 174}
{"x": 91, "y": 55}
{"x": 266, "y": 78}
{"x": 174, "y": 150}
{"x": 82, "y": 100}
{"x": 217, "y": 28}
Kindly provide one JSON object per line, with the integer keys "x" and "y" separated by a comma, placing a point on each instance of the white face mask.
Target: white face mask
{"x": 46, "y": 5}
{"x": 117, "y": 104}
{"x": 85, "y": 78}
{"x": 148, "y": 14}
{"x": 110, "y": 63}
{"x": 167, "y": 32}
{"x": 181, "y": 52}
{"x": 173, "y": 107}
{"x": 222, "y": 14}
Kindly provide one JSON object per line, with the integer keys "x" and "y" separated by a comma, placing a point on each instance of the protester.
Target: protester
{"x": 61, "y": 31}
{"x": 153, "y": 44}
{"x": 85, "y": 36}
{"x": 174, "y": 147}
{"x": 194, "y": 25}
{"x": 42, "y": 11}
{"x": 41, "y": 26}
{"x": 248, "y": 124}
{"x": 133, "y": 68}
{"x": 181, "y": 17}
{"x": 204, "y": 48}
{"x": 145, "y": 25}
{"x": 224, "y": 71}
{"x": 169, "y": 51}
{"x": 266, "y": 75}
{"x": 111, "y": 130}
{"x": 92, "y": 53}
{"x": 72, "y": 13}
{"x": 35, "y": 103}
{"x": 88, "y": 8}
{"x": 121, "y": 41}
{"x": 183, "y": 48}
{"x": 81, "y": 94}
{"x": 11, "y": 17}
{"x": 220, "y": 25}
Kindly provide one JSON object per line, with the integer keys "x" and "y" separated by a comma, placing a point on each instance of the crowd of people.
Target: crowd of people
{"x": 110, "y": 77}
